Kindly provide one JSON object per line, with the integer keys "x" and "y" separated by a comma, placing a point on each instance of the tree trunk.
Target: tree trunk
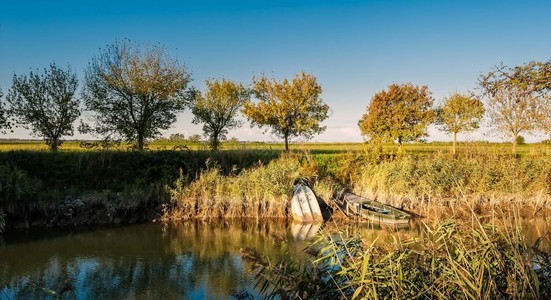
{"x": 400, "y": 145}
{"x": 286, "y": 143}
{"x": 454, "y": 142}
{"x": 214, "y": 143}
{"x": 515, "y": 144}
{"x": 54, "y": 146}
{"x": 140, "y": 141}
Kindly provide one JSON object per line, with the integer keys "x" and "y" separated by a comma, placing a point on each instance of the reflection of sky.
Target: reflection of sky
{"x": 135, "y": 262}
{"x": 355, "y": 48}
{"x": 183, "y": 260}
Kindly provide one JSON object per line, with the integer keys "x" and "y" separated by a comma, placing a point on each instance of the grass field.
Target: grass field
{"x": 314, "y": 148}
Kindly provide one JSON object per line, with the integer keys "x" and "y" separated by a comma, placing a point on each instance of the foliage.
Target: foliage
{"x": 290, "y": 109}
{"x": 532, "y": 79}
{"x": 400, "y": 113}
{"x": 217, "y": 109}
{"x": 177, "y": 138}
{"x": 45, "y": 104}
{"x": 194, "y": 138}
{"x": 459, "y": 113}
{"x": 520, "y": 140}
{"x": 134, "y": 91}
{"x": 448, "y": 261}
{"x": 514, "y": 111}
{"x": 4, "y": 122}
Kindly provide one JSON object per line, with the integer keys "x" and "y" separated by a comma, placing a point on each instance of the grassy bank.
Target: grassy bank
{"x": 435, "y": 186}
{"x": 39, "y": 188}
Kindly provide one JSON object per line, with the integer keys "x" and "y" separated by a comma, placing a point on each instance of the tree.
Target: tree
{"x": 289, "y": 109}
{"x": 177, "y": 138}
{"x": 531, "y": 77}
{"x": 134, "y": 91}
{"x": 506, "y": 87}
{"x": 512, "y": 111}
{"x": 459, "y": 113}
{"x": 401, "y": 113}
{"x": 217, "y": 109}
{"x": 4, "y": 122}
{"x": 194, "y": 138}
{"x": 45, "y": 103}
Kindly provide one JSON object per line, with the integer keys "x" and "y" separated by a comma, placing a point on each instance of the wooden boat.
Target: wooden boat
{"x": 374, "y": 211}
{"x": 305, "y": 206}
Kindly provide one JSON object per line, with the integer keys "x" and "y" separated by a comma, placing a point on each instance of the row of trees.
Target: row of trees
{"x": 519, "y": 101}
{"x": 133, "y": 91}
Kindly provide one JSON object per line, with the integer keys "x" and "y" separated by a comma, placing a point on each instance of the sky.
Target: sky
{"x": 354, "y": 48}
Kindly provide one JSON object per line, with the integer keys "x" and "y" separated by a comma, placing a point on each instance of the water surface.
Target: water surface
{"x": 184, "y": 260}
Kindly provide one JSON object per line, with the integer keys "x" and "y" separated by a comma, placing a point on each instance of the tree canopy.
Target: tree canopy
{"x": 134, "y": 91}
{"x": 519, "y": 98}
{"x": 512, "y": 112}
{"x": 218, "y": 107}
{"x": 401, "y": 113}
{"x": 459, "y": 113}
{"x": 45, "y": 103}
{"x": 531, "y": 77}
{"x": 289, "y": 108}
{"x": 4, "y": 122}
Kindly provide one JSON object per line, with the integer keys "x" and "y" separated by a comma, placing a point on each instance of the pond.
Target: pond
{"x": 182, "y": 260}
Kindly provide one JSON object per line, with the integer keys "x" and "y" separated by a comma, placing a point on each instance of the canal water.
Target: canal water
{"x": 187, "y": 260}
{"x": 183, "y": 260}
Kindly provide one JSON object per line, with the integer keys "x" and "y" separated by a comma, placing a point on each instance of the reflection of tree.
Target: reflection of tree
{"x": 139, "y": 261}
{"x": 179, "y": 260}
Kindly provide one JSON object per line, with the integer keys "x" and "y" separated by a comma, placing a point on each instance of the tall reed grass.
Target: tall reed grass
{"x": 439, "y": 186}
{"x": 258, "y": 192}
{"x": 446, "y": 261}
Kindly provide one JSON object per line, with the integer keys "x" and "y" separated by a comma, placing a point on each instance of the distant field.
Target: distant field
{"x": 328, "y": 148}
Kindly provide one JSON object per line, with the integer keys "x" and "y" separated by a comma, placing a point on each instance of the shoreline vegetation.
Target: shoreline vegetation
{"x": 54, "y": 189}
{"x": 469, "y": 206}
{"x": 450, "y": 259}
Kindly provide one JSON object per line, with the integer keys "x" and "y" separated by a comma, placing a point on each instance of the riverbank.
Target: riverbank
{"x": 45, "y": 189}
{"x": 437, "y": 187}
{"x": 42, "y": 189}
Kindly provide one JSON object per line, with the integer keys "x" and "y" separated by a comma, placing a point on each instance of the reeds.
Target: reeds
{"x": 259, "y": 192}
{"x": 438, "y": 186}
{"x": 446, "y": 261}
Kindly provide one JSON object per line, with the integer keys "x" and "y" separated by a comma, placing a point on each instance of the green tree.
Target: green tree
{"x": 45, "y": 103}
{"x": 402, "y": 113}
{"x": 177, "y": 138}
{"x": 289, "y": 109}
{"x": 520, "y": 97}
{"x": 134, "y": 91}
{"x": 218, "y": 107}
{"x": 459, "y": 113}
{"x": 194, "y": 138}
{"x": 4, "y": 122}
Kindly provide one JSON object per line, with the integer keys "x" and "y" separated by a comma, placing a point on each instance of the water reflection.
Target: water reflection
{"x": 148, "y": 261}
{"x": 188, "y": 260}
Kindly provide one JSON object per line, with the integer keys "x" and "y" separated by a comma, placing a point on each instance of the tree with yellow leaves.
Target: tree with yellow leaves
{"x": 459, "y": 113}
{"x": 289, "y": 109}
{"x": 401, "y": 113}
{"x": 217, "y": 109}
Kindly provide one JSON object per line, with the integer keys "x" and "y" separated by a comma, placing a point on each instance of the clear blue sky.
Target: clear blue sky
{"x": 355, "y": 48}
